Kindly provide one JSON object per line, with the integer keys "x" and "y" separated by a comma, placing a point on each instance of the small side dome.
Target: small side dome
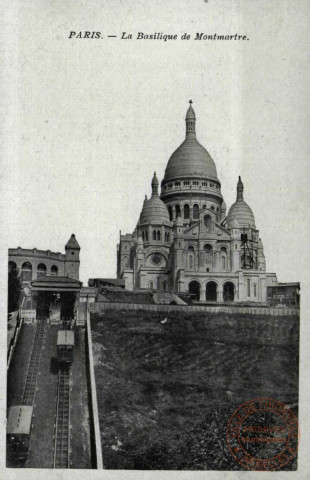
{"x": 154, "y": 211}
{"x": 240, "y": 210}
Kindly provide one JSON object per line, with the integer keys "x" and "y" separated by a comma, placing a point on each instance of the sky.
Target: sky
{"x": 88, "y": 121}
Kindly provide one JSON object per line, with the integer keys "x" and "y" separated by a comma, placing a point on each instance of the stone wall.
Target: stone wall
{"x": 232, "y": 309}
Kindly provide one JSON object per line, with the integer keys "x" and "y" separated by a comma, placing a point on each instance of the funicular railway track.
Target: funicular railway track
{"x": 62, "y": 426}
{"x": 34, "y": 364}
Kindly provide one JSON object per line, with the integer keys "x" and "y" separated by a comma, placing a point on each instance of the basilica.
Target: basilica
{"x": 185, "y": 241}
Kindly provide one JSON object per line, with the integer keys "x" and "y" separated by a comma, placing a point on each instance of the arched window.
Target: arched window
{"x": 204, "y": 207}
{"x": 54, "y": 270}
{"x": 170, "y": 212}
{"x": 223, "y": 258}
{"x": 208, "y": 222}
{"x": 27, "y": 271}
{"x": 146, "y": 236}
{"x": 154, "y": 234}
{"x": 143, "y": 236}
{"x": 12, "y": 266}
{"x": 151, "y": 285}
{"x": 165, "y": 286}
{"x": 158, "y": 235}
{"x": 196, "y": 211}
{"x": 190, "y": 262}
{"x": 194, "y": 289}
{"x": 177, "y": 211}
{"x": 186, "y": 211}
{"x": 191, "y": 258}
{"x": 212, "y": 208}
{"x": 208, "y": 253}
{"x": 158, "y": 283}
{"x": 249, "y": 287}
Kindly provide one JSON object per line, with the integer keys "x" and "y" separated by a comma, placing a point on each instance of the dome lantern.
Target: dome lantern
{"x": 240, "y": 189}
{"x": 155, "y": 184}
{"x": 190, "y": 121}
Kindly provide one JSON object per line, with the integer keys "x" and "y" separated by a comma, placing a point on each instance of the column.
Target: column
{"x": 219, "y": 295}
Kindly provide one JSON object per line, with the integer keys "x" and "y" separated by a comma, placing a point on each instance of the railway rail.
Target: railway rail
{"x": 34, "y": 364}
{"x": 62, "y": 425}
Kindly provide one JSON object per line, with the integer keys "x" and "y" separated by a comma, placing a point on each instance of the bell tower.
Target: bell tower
{"x": 72, "y": 262}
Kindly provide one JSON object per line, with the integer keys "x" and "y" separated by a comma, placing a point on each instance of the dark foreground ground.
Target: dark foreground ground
{"x": 166, "y": 391}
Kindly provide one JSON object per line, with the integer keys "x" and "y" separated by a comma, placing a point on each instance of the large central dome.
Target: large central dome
{"x": 191, "y": 159}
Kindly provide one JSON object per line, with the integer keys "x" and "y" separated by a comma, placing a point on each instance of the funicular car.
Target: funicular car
{"x": 65, "y": 346}
{"x": 18, "y": 432}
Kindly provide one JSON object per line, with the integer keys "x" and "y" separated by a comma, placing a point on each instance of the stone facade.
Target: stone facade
{"x": 33, "y": 263}
{"x": 185, "y": 242}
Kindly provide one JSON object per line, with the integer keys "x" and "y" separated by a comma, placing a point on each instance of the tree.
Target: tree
{"x": 14, "y": 289}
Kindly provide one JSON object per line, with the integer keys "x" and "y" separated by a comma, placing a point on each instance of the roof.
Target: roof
{"x": 65, "y": 337}
{"x": 72, "y": 243}
{"x": 284, "y": 285}
{"x": 101, "y": 298}
{"x": 120, "y": 282}
{"x": 166, "y": 298}
{"x": 55, "y": 282}
{"x": 19, "y": 421}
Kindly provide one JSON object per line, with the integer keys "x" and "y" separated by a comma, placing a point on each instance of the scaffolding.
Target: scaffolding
{"x": 248, "y": 247}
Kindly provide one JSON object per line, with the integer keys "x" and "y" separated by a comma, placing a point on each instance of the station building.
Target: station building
{"x": 50, "y": 280}
{"x": 185, "y": 241}
{"x": 33, "y": 264}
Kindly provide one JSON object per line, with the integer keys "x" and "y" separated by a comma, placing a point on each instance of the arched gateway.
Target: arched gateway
{"x": 229, "y": 292}
{"x": 194, "y": 288}
{"x": 211, "y": 292}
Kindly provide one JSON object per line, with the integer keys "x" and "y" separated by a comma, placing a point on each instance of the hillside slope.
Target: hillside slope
{"x": 167, "y": 390}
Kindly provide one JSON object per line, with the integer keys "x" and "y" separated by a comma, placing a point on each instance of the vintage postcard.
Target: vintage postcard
{"x": 155, "y": 237}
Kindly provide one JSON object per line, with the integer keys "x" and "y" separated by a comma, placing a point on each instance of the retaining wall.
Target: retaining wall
{"x": 94, "y": 404}
{"x": 250, "y": 310}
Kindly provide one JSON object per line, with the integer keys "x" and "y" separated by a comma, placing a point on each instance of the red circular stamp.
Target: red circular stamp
{"x": 263, "y": 434}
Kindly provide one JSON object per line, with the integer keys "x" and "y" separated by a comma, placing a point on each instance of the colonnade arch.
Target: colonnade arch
{"x": 194, "y": 288}
{"x": 211, "y": 291}
{"x": 228, "y": 292}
